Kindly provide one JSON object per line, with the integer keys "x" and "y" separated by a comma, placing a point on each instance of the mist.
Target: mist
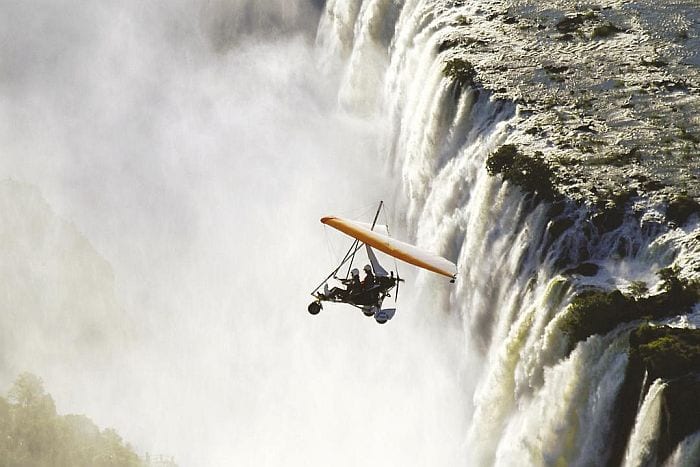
{"x": 164, "y": 168}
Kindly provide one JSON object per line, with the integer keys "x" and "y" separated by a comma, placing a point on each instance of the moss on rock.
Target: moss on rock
{"x": 599, "y": 311}
{"x": 596, "y": 312}
{"x": 666, "y": 352}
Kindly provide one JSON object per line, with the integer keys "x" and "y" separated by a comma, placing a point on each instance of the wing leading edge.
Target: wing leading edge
{"x": 405, "y": 252}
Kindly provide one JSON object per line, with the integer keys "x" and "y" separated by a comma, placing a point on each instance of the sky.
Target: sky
{"x": 164, "y": 168}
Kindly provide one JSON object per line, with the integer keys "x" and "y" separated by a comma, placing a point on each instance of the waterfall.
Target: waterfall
{"x": 641, "y": 449}
{"x": 687, "y": 453}
{"x": 536, "y": 401}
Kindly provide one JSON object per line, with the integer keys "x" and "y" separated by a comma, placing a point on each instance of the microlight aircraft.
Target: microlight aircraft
{"x": 369, "y": 297}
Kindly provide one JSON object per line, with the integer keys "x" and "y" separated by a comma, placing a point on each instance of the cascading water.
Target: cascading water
{"x": 641, "y": 449}
{"x": 164, "y": 168}
{"x": 536, "y": 402}
{"x": 687, "y": 452}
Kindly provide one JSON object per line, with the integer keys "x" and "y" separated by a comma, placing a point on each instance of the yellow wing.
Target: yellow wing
{"x": 399, "y": 250}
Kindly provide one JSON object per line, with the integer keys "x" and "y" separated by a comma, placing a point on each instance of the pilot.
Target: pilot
{"x": 368, "y": 283}
{"x": 353, "y": 285}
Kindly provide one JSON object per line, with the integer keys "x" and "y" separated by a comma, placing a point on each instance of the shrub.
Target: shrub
{"x": 530, "y": 173}
{"x": 599, "y": 312}
{"x": 666, "y": 352}
{"x": 596, "y": 312}
{"x": 638, "y": 288}
{"x": 461, "y": 71}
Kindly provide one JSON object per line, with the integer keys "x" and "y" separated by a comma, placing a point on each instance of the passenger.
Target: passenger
{"x": 369, "y": 281}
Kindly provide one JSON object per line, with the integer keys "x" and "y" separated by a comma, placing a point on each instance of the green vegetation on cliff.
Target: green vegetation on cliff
{"x": 598, "y": 311}
{"x": 529, "y": 172}
{"x": 460, "y": 70}
{"x": 33, "y": 434}
{"x": 666, "y": 352}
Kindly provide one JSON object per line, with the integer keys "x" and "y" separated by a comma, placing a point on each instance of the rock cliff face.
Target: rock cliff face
{"x": 609, "y": 90}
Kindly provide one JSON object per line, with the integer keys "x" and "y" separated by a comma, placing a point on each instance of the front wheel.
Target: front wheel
{"x": 314, "y": 308}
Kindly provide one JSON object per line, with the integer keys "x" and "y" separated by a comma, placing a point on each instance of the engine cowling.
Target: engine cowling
{"x": 382, "y": 316}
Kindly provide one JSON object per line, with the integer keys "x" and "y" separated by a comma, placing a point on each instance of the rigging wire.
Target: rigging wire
{"x": 329, "y": 247}
{"x": 386, "y": 222}
{"x": 358, "y": 213}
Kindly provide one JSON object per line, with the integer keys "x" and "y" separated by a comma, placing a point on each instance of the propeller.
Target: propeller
{"x": 398, "y": 281}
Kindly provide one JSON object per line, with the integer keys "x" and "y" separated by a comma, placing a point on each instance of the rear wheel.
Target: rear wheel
{"x": 314, "y": 308}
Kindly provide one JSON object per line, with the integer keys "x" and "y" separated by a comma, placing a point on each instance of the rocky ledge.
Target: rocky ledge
{"x": 608, "y": 91}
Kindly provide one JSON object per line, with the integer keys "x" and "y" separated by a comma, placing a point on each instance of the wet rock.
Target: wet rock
{"x": 681, "y": 208}
{"x": 617, "y": 159}
{"x": 460, "y": 41}
{"x": 584, "y": 269}
{"x": 559, "y": 226}
{"x": 654, "y": 63}
{"x": 579, "y": 70}
{"x": 571, "y": 24}
{"x": 609, "y": 220}
{"x": 680, "y": 415}
{"x": 587, "y": 128}
{"x": 605, "y": 30}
